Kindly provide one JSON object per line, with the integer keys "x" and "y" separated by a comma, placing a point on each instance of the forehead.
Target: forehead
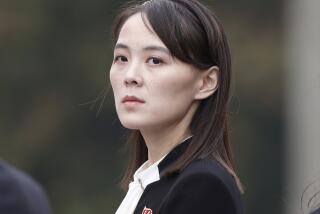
{"x": 138, "y": 31}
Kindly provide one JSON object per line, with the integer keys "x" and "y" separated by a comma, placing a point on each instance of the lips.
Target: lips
{"x": 132, "y": 99}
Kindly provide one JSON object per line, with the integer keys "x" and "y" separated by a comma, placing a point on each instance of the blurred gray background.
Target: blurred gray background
{"x": 55, "y": 57}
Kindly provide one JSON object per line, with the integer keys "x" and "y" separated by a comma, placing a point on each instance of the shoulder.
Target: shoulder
{"x": 212, "y": 171}
{"x": 22, "y": 193}
{"x": 203, "y": 186}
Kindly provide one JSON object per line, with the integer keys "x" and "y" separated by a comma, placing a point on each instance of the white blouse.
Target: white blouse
{"x": 141, "y": 178}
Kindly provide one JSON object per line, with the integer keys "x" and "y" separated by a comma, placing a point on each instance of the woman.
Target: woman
{"x": 171, "y": 80}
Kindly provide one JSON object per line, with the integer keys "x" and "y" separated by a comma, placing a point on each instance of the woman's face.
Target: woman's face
{"x": 151, "y": 88}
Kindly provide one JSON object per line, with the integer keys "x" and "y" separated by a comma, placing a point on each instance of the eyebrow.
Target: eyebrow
{"x": 146, "y": 48}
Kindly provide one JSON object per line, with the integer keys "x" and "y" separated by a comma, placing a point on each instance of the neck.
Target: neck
{"x": 161, "y": 140}
{"x": 161, "y": 143}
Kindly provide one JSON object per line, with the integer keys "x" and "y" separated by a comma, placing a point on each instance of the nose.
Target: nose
{"x": 133, "y": 76}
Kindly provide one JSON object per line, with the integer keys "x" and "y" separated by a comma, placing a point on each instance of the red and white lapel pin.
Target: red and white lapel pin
{"x": 147, "y": 210}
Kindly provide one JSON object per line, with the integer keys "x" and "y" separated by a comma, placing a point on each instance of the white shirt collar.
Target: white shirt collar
{"x": 143, "y": 176}
{"x": 147, "y": 174}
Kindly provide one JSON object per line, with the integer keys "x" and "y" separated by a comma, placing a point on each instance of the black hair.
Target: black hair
{"x": 193, "y": 34}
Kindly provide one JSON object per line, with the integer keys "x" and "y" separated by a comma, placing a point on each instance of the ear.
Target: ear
{"x": 208, "y": 83}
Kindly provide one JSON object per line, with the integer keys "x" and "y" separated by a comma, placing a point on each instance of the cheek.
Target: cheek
{"x": 174, "y": 88}
{"x": 115, "y": 80}
{"x": 172, "y": 96}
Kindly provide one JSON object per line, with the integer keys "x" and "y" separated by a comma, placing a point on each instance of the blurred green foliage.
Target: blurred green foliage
{"x": 54, "y": 61}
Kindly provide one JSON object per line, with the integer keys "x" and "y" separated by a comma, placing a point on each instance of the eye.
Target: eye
{"x": 154, "y": 61}
{"x": 120, "y": 59}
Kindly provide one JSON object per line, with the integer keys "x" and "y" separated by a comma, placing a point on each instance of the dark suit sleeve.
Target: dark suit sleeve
{"x": 20, "y": 194}
{"x": 199, "y": 193}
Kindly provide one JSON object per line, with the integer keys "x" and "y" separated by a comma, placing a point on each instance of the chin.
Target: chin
{"x": 132, "y": 123}
{"x": 130, "y": 126}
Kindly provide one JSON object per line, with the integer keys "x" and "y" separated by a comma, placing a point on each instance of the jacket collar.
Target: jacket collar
{"x": 173, "y": 155}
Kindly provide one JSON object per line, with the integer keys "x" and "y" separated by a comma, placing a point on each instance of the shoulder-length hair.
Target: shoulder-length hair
{"x": 193, "y": 34}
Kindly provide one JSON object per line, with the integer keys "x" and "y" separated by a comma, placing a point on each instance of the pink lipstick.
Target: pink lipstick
{"x": 132, "y": 99}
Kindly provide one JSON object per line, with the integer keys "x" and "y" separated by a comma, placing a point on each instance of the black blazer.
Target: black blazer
{"x": 19, "y": 194}
{"x": 204, "y": 186}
